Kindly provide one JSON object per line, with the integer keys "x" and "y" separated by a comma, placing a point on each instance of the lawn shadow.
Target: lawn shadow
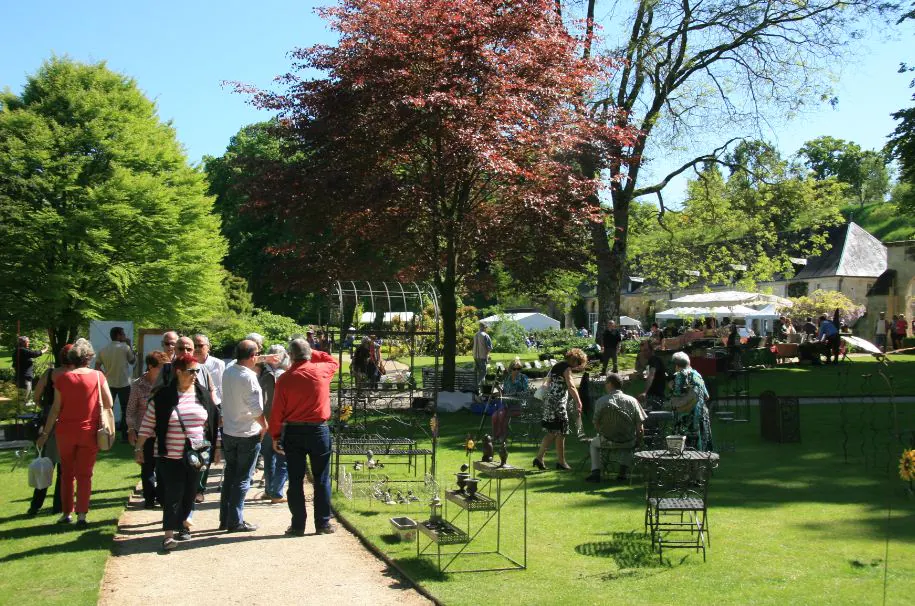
{"x": 631, "y": 552}
{"x": 422, "y": 568}
{"x": 85, "y": 541}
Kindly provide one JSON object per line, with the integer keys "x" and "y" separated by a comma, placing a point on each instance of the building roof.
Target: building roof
{"x": 853, "y": 252}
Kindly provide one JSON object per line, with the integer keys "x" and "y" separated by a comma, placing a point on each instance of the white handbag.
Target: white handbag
{"x": 41, "y": 472}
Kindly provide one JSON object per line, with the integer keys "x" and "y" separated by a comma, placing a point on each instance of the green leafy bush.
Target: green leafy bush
{"x": 7, "y": 374}
{"x": 225, "y": 332}
{"x": 508, "y": 336}
{"x": 631, "y": 346}
{"x": 561, "y": 341}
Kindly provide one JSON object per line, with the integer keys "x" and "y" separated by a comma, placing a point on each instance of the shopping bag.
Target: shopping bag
{"x": 41, "y": 472}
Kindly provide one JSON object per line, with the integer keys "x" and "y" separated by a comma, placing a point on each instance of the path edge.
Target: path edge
{"x": 381, "y": 555}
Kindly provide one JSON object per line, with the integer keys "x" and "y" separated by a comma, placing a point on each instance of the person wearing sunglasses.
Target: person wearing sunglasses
{"x": 182, "y": 409}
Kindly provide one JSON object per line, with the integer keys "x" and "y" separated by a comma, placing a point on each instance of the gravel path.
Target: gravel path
{"x": 245, "y": 568}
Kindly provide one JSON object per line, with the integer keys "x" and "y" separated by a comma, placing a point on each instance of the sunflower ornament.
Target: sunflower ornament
{"x": 345, "y": 413}
{"x": 907, "y": 465}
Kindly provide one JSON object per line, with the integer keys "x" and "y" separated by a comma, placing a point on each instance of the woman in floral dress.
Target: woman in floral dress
{"x": 692, "y": 420}
{"x": 555, "y": 407}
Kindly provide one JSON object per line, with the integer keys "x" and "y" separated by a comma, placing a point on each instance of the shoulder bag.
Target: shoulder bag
{"x": 105, "y": 434}
{"x": 196, "y": 450}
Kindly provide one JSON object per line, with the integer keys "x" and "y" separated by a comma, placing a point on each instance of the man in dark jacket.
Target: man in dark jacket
{"x": 610, "y": 341}
{"x": 25, "y": 367}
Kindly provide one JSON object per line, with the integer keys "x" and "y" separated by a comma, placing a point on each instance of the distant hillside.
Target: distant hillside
{"x": 882, "y": 220}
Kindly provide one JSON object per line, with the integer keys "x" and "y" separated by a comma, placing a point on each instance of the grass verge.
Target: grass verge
{"x": 790, "y": 523}
{"x": 44, "y": 563}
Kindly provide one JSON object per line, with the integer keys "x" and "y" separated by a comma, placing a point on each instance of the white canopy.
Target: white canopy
{"x": 721, "y": 311}
{"x": 676, "y": 313}
{"x": 766, "y": 313}
{"x": 627, "y": 321}
{"x": 529, "y": 320}
{"x": 369, "y": 316}
{"x": 733, "y": 297}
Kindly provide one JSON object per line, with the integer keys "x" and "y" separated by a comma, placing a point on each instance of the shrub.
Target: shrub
{"x": 508, "y": 336}
{"x": 7, "y": 374}
{"x": 631, "y": 346}
{"x": 561, "y": 341}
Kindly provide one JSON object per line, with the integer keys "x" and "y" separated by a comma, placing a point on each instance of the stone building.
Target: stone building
{"x": 894, "y": 290}
{"x": 852, "y": 264}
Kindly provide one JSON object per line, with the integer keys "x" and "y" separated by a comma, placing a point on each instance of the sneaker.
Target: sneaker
{"x": 169, "y": 544}
{"x": 31, "y": 512}
{"x": 244, "y": 527}
{"x": 594, "y": 477}
{"x": 64, "y": 519}
{"x": 294, "y": 532}
{"x": 328, "y": 529}
{"x": 82, "y": 523}
{"x": 183, "y": 535}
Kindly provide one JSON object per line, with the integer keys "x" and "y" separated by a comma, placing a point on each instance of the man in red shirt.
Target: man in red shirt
{"x": 298, "y": 424}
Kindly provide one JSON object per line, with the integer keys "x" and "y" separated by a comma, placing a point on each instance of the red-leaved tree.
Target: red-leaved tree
{"x": 439, "y": 138}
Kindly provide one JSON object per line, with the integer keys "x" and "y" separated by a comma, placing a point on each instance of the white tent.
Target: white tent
{"x": 529, "y": 320}
{"x": 676, "y": 313}
{"x": 766, "y": 313}
{"x": 369, "y": 316}
{"x": 734, "y": 311}
{"x": 627, "y": 321}
{"x": 732, "y": 297}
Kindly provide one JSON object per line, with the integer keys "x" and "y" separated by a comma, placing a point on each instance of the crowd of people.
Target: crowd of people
{"x": 187, "y": 411}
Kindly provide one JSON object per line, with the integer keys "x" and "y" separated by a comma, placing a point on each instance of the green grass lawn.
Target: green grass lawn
{"x": 43, "y": 563}
{"x": 790, "y": 524}
{"x": 857, "y": 379}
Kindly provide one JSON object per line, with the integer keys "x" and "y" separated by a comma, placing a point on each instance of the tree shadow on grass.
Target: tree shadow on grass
{"x": 632, "y": 553}
{"x": 422, "y": 568}
{"x": 91, "y": 540}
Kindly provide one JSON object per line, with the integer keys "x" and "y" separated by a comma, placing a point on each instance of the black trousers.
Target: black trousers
{"x": 38, "y": 496}
{"x": 177, "y": 489}
{"x": 122, "y": 395}
{"x": 148, "y": 472}
{"x": 606, "y": 356}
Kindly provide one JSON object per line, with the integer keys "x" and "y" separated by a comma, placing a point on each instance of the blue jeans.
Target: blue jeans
{"x": 240, "y": 456}
{"x": 312, "y": 441}
{"x": 275, "y": 472}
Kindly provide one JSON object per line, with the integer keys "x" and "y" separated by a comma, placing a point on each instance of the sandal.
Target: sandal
{"x": 169, "y": 544}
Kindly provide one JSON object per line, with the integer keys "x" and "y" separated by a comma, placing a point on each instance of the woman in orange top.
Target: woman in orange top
{"x": 78, "y": 398}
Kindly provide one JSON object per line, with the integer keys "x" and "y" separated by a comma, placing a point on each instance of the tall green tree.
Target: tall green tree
{"x": 696, "y": 71}
{"x": 865, "y": 171}
{"x": 743, "y": 228}
{"x": 101, "y": 216}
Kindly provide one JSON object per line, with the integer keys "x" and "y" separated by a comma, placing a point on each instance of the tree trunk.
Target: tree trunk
{"x": 58, "y": 336}
{"x": 610, "y": 257}
{"x": 448, "y": 295}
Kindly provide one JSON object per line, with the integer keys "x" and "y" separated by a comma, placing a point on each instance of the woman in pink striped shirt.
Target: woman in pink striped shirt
{"x": 177, "y": 481}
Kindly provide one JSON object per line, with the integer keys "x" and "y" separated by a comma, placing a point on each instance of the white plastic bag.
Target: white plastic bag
{"x": 41, "y": 471}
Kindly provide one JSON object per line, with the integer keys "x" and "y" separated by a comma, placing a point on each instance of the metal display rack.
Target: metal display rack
{"x": 404, "y": 316}
{"x": 487, "y": 506}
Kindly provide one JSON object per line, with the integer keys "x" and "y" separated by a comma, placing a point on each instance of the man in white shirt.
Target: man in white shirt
{"x": 482, "y": 346}
{"x": 114, "y": 361}
{"x": 880, "y": 332}
{"x": 243, "y": 427}
{"x": 214, "y": 365}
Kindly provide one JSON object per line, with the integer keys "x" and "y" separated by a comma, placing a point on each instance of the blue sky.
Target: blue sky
{"x": 180, "y": 52}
